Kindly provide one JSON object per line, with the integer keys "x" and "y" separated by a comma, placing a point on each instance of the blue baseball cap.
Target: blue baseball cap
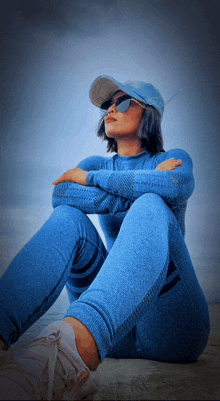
{"x": 104, "y": 87}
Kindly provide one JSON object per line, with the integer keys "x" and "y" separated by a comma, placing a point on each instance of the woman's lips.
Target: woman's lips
{"x": 109, "y": 120}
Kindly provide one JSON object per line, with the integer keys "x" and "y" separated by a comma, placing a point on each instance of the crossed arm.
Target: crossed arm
{"x": 71, "y": 189}
{"x": 104, "y": 191}
{"x": 90, "y": 200}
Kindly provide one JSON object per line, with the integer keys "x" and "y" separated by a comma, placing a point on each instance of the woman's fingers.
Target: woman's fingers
{"x": 169, "y": 165}
{"x": 63, "y": 178}
{"x": 76, "y": 175}
{"x": 174, "y": 163}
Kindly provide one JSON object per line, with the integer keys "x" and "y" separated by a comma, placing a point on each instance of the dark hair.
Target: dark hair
{"x": 149, "y": 132}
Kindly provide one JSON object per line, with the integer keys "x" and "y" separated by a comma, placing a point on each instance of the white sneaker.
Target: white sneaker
{"x": 48, "y": 368}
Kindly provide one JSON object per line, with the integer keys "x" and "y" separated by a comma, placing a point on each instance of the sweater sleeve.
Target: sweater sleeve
{"x": 175, "y": 187}
{"x": 89, "y": 200}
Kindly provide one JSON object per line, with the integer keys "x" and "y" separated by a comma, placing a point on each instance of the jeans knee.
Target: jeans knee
{"x": 69, "y": 212}
{"x": 66, "y": 209}
{"x": 150, "y": 201}
{"x": 149, "y": 208}
{"x": 74, "y": 219}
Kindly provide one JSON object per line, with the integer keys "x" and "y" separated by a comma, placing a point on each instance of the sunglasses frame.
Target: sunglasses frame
{"x": 105, "y": 106}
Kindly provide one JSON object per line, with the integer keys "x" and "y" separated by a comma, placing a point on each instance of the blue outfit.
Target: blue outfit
{"x": 140, "y": 297}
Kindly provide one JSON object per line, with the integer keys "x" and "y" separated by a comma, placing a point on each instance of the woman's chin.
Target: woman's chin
{"x": 112, "y": 135}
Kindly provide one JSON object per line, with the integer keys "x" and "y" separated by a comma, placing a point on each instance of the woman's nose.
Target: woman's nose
{"x": 112, "y": 108}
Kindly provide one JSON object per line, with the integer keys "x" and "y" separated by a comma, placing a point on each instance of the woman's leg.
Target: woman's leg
{"x": 124, "y": 299}
{"x": 177, "y": 327}
{"x": 125, "y": 290}
{"x": 67, "y": 249}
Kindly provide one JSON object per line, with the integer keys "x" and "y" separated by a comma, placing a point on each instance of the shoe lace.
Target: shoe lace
{"x": 69, "y": 376}
{"x": 51, "y": 339}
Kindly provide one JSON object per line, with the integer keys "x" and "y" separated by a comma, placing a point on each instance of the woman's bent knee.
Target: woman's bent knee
{"x": 66, "y": 211}
{"x": 68, "y": 217}
{"x": 150, "y": 209}
{"x": 72, "y": 219}
{"x": 150, "y": 201}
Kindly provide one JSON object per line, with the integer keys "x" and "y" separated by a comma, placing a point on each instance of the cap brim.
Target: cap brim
{"x": 104, "y": 87}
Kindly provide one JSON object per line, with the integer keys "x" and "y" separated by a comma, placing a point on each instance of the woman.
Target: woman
{"x": 138, "y": 299}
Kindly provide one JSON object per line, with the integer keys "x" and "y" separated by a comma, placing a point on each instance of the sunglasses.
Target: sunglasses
{"x": 122, "y": 104}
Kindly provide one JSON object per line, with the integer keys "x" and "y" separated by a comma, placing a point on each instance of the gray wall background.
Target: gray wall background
{"x": 52, "y": 51}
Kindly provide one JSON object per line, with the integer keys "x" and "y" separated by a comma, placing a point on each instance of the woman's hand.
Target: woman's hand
{"x": 169, "y": 165}
{"x": 76, "y": 175}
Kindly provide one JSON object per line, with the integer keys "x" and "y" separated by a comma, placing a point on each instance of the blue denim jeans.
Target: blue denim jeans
{"x": 142, "y": 300}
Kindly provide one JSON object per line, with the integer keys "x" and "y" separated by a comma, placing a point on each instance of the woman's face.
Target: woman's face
{"x": 123, "y": 125}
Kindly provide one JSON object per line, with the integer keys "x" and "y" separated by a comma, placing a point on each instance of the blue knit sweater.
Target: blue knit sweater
{"x": 114, "y": 183}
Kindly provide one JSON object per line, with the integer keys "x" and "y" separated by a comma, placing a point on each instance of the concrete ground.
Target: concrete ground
{"x": 137, "y": 379}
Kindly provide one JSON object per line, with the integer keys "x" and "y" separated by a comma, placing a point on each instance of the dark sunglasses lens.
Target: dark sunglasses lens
{"x": 106, "y": 105}
{"x": 123, "y": 105}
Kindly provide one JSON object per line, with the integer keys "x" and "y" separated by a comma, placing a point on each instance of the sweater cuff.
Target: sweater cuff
{"x": 90, "y": 179}
{"x": 98, "y": 179}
